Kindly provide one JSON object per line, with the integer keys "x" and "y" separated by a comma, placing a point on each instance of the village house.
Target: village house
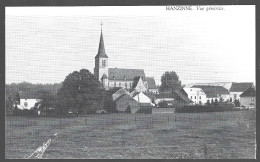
{"x": 248, "y": 98}
{"x": 27, "y": 101}
{"x": 197, "y": 95}
{"x": 125, "y": 102}
{"x": 214, "y": 92}
{"x": 237, "y": 89}
{"x": 118, "y": 77}
{"x": 173, "y": 98}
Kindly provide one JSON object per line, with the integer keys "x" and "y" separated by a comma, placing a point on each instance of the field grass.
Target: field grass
{"x": 160, "y": 135}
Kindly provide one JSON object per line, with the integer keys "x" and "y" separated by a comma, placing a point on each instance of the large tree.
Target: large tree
{"x": 82, "y": 91}
{"x": 170, "y": 81}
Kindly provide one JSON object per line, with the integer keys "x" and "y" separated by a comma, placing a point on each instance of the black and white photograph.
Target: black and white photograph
{"x": 130, "y": 82}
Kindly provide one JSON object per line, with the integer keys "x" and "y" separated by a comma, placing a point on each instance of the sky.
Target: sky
{"x": 45, "y": 44}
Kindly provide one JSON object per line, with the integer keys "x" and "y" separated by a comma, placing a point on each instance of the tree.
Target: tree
{"x": 216, "y": 102}
{"x": 208, "y": 102}
{"x": 221, "y": 99}
{"x": 212, "y": 101}
{"x": 170, "y": 81}
{"x": 82, "y": 91}
{"x": 47, "y": 99}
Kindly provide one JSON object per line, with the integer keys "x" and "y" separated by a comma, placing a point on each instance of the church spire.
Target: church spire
{"x": 101, "y": 48}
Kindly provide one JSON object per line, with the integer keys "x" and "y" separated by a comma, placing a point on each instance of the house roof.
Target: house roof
{"x": 250, "y": 92}
{"x": 240, "y": 87}
{"x": 181, "y": 95}
{"x": 125, "y": 74}
{"x": 164, "y": 95}
{"x": 151, "y": 83}
{"x": 136, "y": 80}
{"x": 101, "y": 49}
{"x": 113, "y": 90}
{"x": 212, "y": 91}
{"x": 127, "y": 96}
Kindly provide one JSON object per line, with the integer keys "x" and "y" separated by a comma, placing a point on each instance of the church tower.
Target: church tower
{"x": 101, "y": 62}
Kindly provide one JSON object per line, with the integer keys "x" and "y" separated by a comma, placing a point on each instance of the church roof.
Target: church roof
{"x": 125, "y": 74}
{"x": 151, "y": 83}
{"x": 101, "y": 49}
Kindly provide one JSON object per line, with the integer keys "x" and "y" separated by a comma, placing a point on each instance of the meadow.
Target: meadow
{"x": 215, "y": 135}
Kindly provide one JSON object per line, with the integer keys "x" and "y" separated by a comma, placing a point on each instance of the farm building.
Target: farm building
{"x": 237, "y": 89}
{"x": 248, "y": 98}
{"x": 142, "y": 98}
{"x": 119, "y": 91}
{"x": 214, "y": 92}
{"x": 197, "y": 95}
{"x": 124, "y": 102}
{"x": 27, "y": 100}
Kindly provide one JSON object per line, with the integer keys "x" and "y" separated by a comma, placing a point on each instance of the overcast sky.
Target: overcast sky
{"x": 45, "y": 44}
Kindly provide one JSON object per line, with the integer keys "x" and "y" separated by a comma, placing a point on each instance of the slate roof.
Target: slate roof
{"x": 135, "y": 82}
{"x": 182, "y": 95}
{"x": 250, "y": 92}
{"x": 212, "y": 91}
{"x": 151, "y": 83}
{"x": 127, "y": 96}
{"x": 125, "y": 74}
{"x": 164, "y": 95}
{"x": 240, "y": 87}
{"x": 101, "y": 49}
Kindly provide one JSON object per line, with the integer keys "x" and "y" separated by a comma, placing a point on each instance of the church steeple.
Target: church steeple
{"x": 101, "y": 49}
{"x": 101, "y": 62}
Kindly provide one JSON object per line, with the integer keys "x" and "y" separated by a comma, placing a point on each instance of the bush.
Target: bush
{"x": 163, "y": 104}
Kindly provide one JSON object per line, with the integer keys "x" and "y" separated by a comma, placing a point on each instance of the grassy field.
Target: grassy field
{"x": 160, "y": 135}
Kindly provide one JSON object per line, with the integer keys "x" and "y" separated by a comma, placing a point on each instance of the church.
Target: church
{"x": 119, "y": 77}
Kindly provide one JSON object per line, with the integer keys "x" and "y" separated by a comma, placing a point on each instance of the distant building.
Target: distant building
{"x": 27, "y": 101}
{"x": 151, "y": 85}
{"x": 248, "y": 98}
{"x": 125, "y": 102}
{"x": 177, "y": 98}
{"x": 238, "y": 88}
{"x": 214, "y": 92}
{"x": 118, "y": 77}
{"x": 119, "y": 92}
{"x": 142, "y": 98}
{"x": 197, "y": 95}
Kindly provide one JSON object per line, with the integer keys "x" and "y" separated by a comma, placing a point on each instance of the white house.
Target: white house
{"x": 197, "y": 95}
{"x": 27, "y": 103}
{"x": 142, "y": 98}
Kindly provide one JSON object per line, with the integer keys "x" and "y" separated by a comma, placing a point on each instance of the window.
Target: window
{"x": 200, "y": 97}
{"x": 25, "y": 104}
{"x": 126, "y": 85}
{"x": 114, "y": 84}
{"x": 130, "y": 85}
{"x": 103, "y": 63}
{"x": 252, "y": 98}
{"x": 119, "y": 84}
{"x": 190, "y": 97}
{"x": 235, "y": 96}
{"x": 108, "y": 84}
